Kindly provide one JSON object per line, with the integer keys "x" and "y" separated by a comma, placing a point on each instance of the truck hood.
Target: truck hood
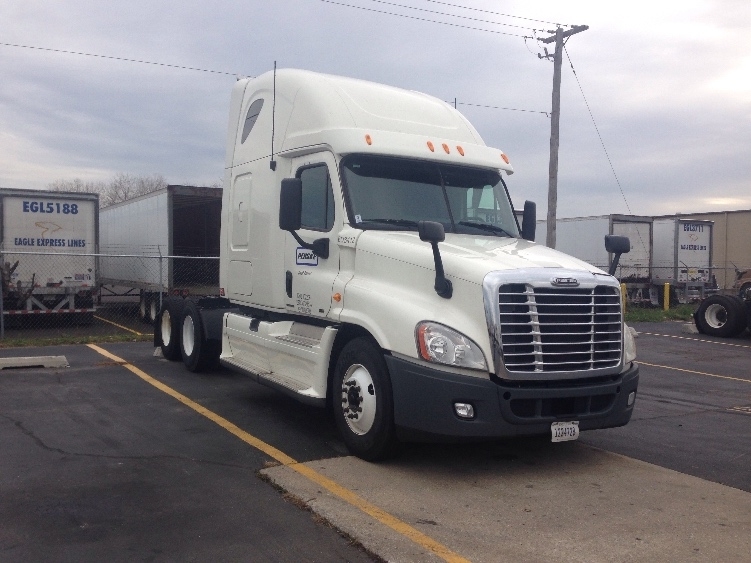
{"x": 468, "y": 257}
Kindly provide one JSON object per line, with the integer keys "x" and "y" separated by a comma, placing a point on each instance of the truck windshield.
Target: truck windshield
{"x": 393, "y": 194}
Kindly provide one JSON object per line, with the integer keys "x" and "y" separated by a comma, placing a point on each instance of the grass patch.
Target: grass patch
{"x": 20, "y": 342}
{"x": 656, "y": 315}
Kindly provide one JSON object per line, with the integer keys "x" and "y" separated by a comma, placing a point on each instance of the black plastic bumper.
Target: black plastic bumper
{"x": 424, "y": 403}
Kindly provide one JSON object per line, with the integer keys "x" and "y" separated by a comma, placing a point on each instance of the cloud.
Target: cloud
{"x": 666, "y": 82}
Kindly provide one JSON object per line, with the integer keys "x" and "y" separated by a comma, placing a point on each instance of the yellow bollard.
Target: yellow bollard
{"x": 666, "y": 297}
{"x": 623, "y": 297}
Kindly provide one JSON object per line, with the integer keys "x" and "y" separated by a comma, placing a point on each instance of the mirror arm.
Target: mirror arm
{"x": 320, "y": 247}
{"x": 442, "y": 285}
{"x": 614, "y": 264}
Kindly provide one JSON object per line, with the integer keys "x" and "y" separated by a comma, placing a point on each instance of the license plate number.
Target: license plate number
{"x": 564, "y": 431}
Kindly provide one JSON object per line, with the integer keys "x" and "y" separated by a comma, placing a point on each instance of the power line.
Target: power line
{"x": 64, "y": 51}
{"x": 121, "y": 59}
{"x": 604, "y": 148}
{"x": 425, "y": 19}
{"x": 498, "y": 13}
{"x": 545, "y": 113}
{"x": 452, "y": 15}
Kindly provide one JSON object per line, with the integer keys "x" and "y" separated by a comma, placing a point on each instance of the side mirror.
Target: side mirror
{"x": 529, "y": 220}
{"x": 432, "y": 232}
{"x": 616, "y": 245}
{"x": 290, "y": 204}
{"x": 290, "y": 216}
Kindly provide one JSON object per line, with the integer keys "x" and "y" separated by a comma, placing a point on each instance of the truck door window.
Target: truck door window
{"x": 317, "y": 198}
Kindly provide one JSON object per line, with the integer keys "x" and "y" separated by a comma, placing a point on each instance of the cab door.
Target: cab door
{"x": 309, "y": 278}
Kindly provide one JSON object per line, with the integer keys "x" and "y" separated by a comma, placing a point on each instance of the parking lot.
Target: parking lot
{"x": 125, "y": 456}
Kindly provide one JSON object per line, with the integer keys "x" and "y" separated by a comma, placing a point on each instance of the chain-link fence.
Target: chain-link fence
{"x": 62, "y": 293}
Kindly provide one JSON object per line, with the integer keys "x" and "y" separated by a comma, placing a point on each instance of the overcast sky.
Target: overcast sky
{"x": 668, "y": 84}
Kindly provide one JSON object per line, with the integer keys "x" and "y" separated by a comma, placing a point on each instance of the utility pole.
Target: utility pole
{"x": 555, "y": 119}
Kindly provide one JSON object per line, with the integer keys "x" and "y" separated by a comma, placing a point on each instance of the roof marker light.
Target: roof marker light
{"x": 446, "y": 148}
{"x": 430, "y": 146}
{"x": 368, "y": 139}
{"x": 337, "y": 297}
{"x": 461, "y": 150}
{"x": 505, "y": 158}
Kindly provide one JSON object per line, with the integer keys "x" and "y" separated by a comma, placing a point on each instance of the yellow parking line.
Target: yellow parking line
{"x": 695, "y": 372}
{"x": 334, "y": 488}
{"x": 119, "y": 326}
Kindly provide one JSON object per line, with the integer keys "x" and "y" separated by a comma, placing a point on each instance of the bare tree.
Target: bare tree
{"x": 121, "y": 188}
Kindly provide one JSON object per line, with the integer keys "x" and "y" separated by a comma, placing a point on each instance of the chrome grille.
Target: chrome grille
{"x": 559, "y": 329}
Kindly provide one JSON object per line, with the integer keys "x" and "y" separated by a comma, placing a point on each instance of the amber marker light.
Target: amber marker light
{"x": 461, "y": 150}
{"x": 430, "y": 146}
{"x": 505, "y": 158}
{"x": 446, "y": 148}
{"x": 368, "y": 139}
{"x": 338, "y": 297}
{"x": 421, "y": 342}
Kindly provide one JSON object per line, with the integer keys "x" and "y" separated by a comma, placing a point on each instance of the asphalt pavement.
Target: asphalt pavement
{"x": 135, "y": 458}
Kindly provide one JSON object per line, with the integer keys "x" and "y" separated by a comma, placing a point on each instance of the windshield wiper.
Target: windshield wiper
{"x": 486, "y": 227}
{"x": 394, "y": 222}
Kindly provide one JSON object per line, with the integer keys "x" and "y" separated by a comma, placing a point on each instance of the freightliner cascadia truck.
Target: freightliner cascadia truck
{"x": 371, "y": 261}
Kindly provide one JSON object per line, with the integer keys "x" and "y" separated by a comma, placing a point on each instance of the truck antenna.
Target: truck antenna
{"x": 272, "y": 164}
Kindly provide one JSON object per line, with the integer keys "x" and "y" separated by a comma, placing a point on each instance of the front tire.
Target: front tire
{"x": 720, "y": 315}
{"x": 363, "y": 401}
{"x": 198, "y": 353}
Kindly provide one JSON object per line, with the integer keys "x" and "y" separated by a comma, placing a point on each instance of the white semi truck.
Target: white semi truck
{"x": 371, "y": 260}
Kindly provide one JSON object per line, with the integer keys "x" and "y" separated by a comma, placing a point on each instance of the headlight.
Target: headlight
{"x": 440, "y": 344}
{"x": 629, "y": 344}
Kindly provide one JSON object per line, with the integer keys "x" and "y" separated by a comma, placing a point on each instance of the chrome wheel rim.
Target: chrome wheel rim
{"x": 166, "y": 328}
{"x": 189, "y": 341}
{"x": 358, "y": 399}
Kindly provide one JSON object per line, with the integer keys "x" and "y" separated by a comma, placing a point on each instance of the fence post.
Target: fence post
{"x": 666, "y": 297}
{"x": 160, "y": 278}
{"x": 2, "y": 314}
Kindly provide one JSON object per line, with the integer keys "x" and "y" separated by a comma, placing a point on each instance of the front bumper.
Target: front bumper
{"x": 424, "y": 403}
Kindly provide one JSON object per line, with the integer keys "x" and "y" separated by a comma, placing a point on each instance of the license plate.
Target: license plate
{"x": 564, "y": 431}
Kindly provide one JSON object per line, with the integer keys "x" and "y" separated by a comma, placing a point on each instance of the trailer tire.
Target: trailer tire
{"x": 721, "y": 315}
{"x": 363, "y": 401}
{"x": 143, "y": 307}
{"x": 745, "y": 292}
{"x": 153, "y": 308}
{"x": 197, "y": 351}
{"x": 168, "y": 325}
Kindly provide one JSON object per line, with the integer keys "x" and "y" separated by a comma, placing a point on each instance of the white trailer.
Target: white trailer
{"x": 143, "y": 235}
{"x": 683, "y": 257}
{"x": 583, "y": 237}
{"x": 48, "y": 247}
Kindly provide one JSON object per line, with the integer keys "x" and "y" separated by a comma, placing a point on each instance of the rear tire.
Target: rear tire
{"x": 143, "y": 307}
{"x": 168, "y": 325}
{"x": 745, "y": 292}
{"x": 198, "y": 353}
{"x": 721, "y": 315}
{"x": 152, "y": 312}
{"x": 363, "y": 401}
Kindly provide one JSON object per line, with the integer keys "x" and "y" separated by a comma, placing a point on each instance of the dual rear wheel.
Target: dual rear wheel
{"x": 183, "y": 338}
